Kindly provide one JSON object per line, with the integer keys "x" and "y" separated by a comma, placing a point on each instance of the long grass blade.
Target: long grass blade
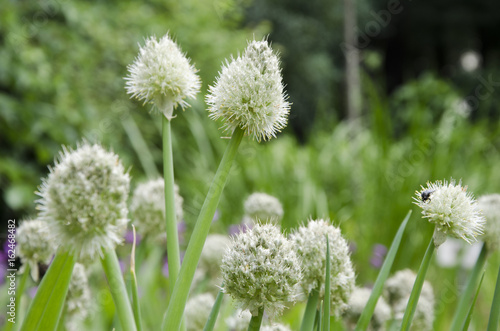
{"x": 214, "y": 313}
{"x": 310, "y": 312}
{"x": 471, "y": 309}
{"x": 495, "y": 307}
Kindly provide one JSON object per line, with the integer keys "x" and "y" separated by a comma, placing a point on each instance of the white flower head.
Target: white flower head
{"x": 452, "y": 209}
{"x": 260, "y": 270}
{"x": 84, "y": 200}
{"x": 78, "y": 299}
{"x": 397, "y": 290}
{"x": 357, "y": 303}
{"x": 263, "y": 207}
{"x": 490, "y": 206}
{"x": 249, "y": 93}
{"x": 34, "y": 245}
{"x": 197, "y": 311}
{"x": 310, "y": 244}
{"x": 239, "y": 320}
{"x": 212, "y": 253}
{"x": 147, "y": 208}
{"x": 161, "y": 74}
{"x": 275, "y": 327}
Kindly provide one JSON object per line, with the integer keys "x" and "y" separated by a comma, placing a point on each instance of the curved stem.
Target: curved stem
{"x": 256, "y": 321}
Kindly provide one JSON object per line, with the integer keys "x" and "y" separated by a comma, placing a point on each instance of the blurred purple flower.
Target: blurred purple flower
{"x": 129, "y": 237}
{"x": 378, "y": 255}
{"x": 164, "y": 270}
{"x": 122, "y": 265}
{"x": 181, "y": 229}
{"x": 32, "y": 291}
{"x": 216, "y": 216}
{"x": 3, "y": 272}
{"x": 353, "y": 248}
{"x": 238, "y": 228}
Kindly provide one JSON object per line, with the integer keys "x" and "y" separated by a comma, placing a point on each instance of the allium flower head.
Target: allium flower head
{"x": 212, "y": 253}
{"x": 275, "y": 327}
{"x": 147, "y": 208}
{"x": 452, "y": 209}
{"x": 357, "y": 303}
{"x": 249, "y": 93}
{"x": 397, "y": 291}
{"x": 197, "y": 311}
{"x": 161, "y": 74}
{"x": 310, "y": 244}
{"x": 261, "y": 270}
{"x": 78, "y": 301}
{"x": 34, "y": 245}
{"x": 490, "y": 206}
{"x": 263, "y": 207}
{"x": 84, "y": 200}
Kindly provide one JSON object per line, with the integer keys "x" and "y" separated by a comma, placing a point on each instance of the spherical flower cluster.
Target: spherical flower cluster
{"x": 275, "y": 327}
{"x": 249, "y": 93}
{"x": 197, "y": 311}
{"x": 84, "y": 200}
{"x": 490, "y": 206}
{"x": 397, "y": 291}
{"x": 452, "y": 209}
{"x": 357, "y": 303}
{"x": 263, "y": 207}
{"x": 161, "y": 74}
{"x": 148, "y": 208}
{"x": 239, "y": 320}
{"x": 260, "y": 270}
{"x": 78, "y": 300}
{"x": 310, "y": 244}
{"x": 34, "y": 245}
{"x": 212, "y": 253}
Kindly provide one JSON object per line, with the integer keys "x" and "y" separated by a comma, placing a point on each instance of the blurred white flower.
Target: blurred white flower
{"x": 212, "y": 253}
{"x": 263, "y": 207}
{"x": 470, "y": 60}
{"x": 490, "y": 206}
{"x": 275, "y": 327}
{"x": 239, "y": 320}
{"x": 197, "y": 311}
{"x": 78, "y": 300}
{"x": 356, "y": 305}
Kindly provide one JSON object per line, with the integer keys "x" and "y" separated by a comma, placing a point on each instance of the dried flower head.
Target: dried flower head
{"x": 357, "y": 303}
{"x": 397, "y": 291}
{"x": 263, "y": 207}
{"x": 78, "y": 300}
{"x": 84, "y": 200}
{"x": 197, "y": 311}
{"x": 161, "y": 74}
{"x": 212, "y": 253}
{"x": 490, "y": 207}
{"x": 249, "y": 93}
{"x": 34, "y": 245}
{"x": 452, "y": 209}
{"x": 148, "y": 208}
{"x": 261, "y": 270}
{"x": 310, "y": 244}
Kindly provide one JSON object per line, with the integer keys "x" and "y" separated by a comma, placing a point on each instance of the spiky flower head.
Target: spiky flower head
{"x": 310, "y": 244}
{"x": 263, "y": 207}
{"x": 275, "y": 327}
{"x": 249, "y": 93}
{"x": 490, "y": 207}
{"x": 162, "y": 75}
{"x": 261, "y": 270}
{"x": 239, "y": 320}
{"x": 357, "y": 303}
{"x": 197, "y": 311}
{"x": 397, "y": 290}
{"x": 34, "y": 245}
{"x": 212, "y": 253}
{"x": 147, "y": 208}
{"x": 84, "y": 200}
{"x": 452, "y": 209}
{"x": 78, "y": 300}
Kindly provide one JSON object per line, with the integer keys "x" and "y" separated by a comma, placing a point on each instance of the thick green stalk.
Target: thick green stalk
{"x": 256, "y": 321}
{"x": 471, "y": 309}
{"x": 495, "y": 307}
{"x": 326, "y": 300}
{"x": 179, "y": 296}
{"x": 174, "y": 262}
{"x": 214, "y": 313}
{"x": 417, "y": 287}
{"x": 310, "y": 312}
{"x": 118, "y": 290}
{"x": 466, "y": 296}
{"x": 19, "y": 293}
{"x": 367, "y": 314}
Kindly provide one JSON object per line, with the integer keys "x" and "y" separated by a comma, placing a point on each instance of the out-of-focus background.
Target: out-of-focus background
{"x": 416, "y": 100}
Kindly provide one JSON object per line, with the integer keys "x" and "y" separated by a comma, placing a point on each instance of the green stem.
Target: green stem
{"x": 212, "y": 318}
{"x": 466, "y": 296}
{"x": 417, "y": 287}
{"x": 174, "y": 263}
{"x": 19, "y": 294}
{"x": 118, "y": 290}
{"x": 326, "y": 300}
{"x": 310, "y": 312}
{"x": 179, "y": 296}
{"x": 256, "y": 321}
{"x": 495, "y": 307}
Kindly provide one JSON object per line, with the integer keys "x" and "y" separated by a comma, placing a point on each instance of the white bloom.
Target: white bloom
{"x": 490, "y": 206}
{"x": 310, "y": 244}
{"x": 239, "y": 321}
{"x": 78, "y": 300}
{"x": 197, "y": 311}
{"x": 148, "y": 208}
{"x": 212, "y": 253}
{"x": 84, "y": 201}
{"x": 357, "y": 303}
{"x": 261, "y": 270}
{"x": 275, "y": 327}
{"x": 452, "y": 209}
{"x": 263, "y": 207}
{"x": 249, "y": 93}
{"x": 161, "y": 74}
